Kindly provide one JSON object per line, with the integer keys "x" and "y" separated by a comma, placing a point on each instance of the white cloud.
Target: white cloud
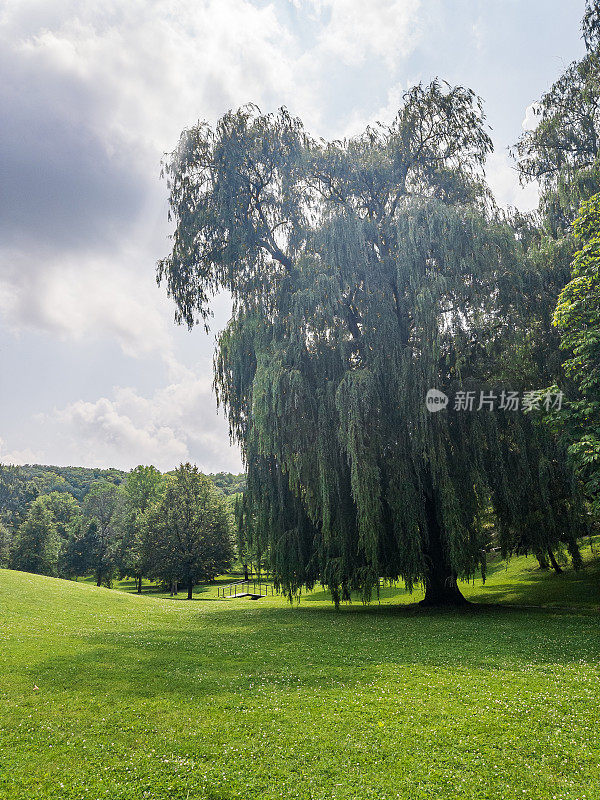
{"x": 503, "y": 178}
{"x": 479, "y": 34}
{"x": 100, "y": 433}
{"x": 24, "y": 456}
{"x": 174, "y": 424}
{"x": 109, "y": 90}
{"x": 85, "y": 295}
{"x": 531, "y": 119}
{"x": 359, "y": 120}
{"x": 352, "y": 29}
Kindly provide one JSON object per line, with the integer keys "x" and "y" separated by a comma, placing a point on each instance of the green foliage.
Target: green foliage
{"x": 19, "y": 485}
{"x": 64, "y": 509}
{"x": 577, "y": 318}
{"x": 78, "y": 556}
{"x": 562, "y": 154}
{"x": 562, "y": 151}
{"x": 16, "y": 493}
{"x": 100, "y": 528}
{"x": 92, "y": 548}
{"x": 591, "y": 24}
{"x": 37, "y": 545}
{"x": 228, "y": 483}
{"x": 187, "y": 534}
{"x": 74, "y": 480}
{"x": 5, "y": 545}
{"x": 142, "y": 487}
{"x": 364, "y": 273}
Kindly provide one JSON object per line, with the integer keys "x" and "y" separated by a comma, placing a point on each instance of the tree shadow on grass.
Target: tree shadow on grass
{"x": 227, "y": 652}
{"x": 571, "y": 589}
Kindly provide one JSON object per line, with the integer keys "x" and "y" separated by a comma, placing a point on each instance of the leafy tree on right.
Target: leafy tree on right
{"x": 563, "y": 154}
{"x": 577, "y": 317}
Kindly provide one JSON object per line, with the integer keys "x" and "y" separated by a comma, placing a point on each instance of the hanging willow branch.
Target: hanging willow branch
{"x": 364, "y": 273}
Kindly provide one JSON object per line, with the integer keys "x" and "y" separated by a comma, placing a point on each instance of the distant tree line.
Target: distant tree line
{"x": 78, "y": 480}
{"x": 176, "y": 528}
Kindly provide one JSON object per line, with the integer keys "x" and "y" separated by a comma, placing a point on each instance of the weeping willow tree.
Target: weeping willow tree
{"x": 363, "y": 273}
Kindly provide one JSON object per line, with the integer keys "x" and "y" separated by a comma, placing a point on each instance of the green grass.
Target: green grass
{"x": 515, "y": 582}
{"x": 147, "y": 697}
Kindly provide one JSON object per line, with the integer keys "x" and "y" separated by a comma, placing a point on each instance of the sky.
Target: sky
{"x": 93, "y": 369}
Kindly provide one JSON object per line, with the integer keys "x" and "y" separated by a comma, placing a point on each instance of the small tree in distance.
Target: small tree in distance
{"x": 37, "y": 547}
{"x": 188, "y": 530}
{"x": 141, "y": 489}
{"x": 102, "y": 506}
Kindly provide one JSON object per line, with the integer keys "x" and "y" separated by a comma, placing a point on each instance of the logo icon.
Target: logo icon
{"x": 436, "y": 400}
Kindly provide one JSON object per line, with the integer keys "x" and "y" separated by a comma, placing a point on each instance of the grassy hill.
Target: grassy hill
{"x": 147, "y": 697}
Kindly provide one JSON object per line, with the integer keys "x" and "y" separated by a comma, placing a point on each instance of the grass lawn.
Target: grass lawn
{"x": 148, "y": 697}
{"x": 516, "y": 582}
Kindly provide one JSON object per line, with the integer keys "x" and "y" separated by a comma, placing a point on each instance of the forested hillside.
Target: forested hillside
{"x": 75, "y": 521}
{"x": 77, "y": 480}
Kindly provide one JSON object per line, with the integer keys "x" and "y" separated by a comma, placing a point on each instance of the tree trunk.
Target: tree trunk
{"x": 542, "y": 560}
{"x": 139, "y": 584}
{"x": 98, "y": 579}
{"x": 190, "y": 586}
{"x": 441, "y": 587}
{"x": 554, "y": 562}
{"x": 245, "y": 572}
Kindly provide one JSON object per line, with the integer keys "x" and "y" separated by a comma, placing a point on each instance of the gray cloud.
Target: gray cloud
{"x": 64, "y": 183}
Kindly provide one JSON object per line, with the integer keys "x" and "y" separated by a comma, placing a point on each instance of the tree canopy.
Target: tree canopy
{"x": 577, "y": 317}
{"x": 562, "y": 151}
{"x": 188, "y": 530}
{"x": 363, "y": 273}
{"x": 37, "y": 545}
{"x": 101, "y": 527}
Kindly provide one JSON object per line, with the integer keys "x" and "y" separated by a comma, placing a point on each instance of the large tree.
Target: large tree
{"x": 364, "y": 273}
{"x": 188, "y": 530}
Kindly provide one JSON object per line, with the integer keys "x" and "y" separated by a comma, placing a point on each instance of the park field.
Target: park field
{"x": 106, "y": 694}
